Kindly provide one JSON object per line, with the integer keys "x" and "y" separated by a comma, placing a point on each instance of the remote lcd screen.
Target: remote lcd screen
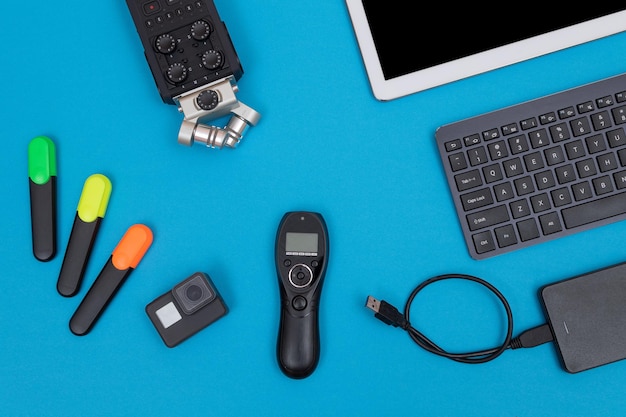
{"x": 301, "y": 242}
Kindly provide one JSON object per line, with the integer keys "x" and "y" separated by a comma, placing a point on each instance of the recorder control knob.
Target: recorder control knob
{"x": 212, "y": 59}
{"x": 207, "y": 100}
{"x": 200, "y": 30}
{"x": 165, "y": 43}
{"x": 177, "y": 72}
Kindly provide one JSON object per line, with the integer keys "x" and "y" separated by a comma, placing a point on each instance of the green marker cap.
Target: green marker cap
{"x": 41, "y": 160}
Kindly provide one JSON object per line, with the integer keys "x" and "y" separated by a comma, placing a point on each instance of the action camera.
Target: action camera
{"x": 189, "y": 307}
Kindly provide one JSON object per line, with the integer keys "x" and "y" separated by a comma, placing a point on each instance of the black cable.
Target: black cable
{"x": 390, "y": 315}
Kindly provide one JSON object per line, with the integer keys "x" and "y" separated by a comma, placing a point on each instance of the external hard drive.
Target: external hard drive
{"x": 587, "y": 317}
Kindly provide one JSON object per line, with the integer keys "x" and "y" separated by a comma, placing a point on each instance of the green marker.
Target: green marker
{"x": 42, "y": 171}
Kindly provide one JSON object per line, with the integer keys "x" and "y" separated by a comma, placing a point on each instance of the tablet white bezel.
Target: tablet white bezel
{"x": 477, "y": 63}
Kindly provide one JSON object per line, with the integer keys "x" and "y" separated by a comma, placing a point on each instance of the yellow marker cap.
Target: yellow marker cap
{"x": 132, "y": 247}
{"x": 94, "y": 198}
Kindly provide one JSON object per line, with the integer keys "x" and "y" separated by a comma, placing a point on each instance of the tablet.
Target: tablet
{"x": 407, "y": 51}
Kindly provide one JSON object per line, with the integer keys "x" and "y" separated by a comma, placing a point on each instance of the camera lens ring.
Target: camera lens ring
{"x": 193, "y": 292}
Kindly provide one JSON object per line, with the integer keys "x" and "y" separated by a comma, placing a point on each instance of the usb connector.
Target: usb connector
{"x": 386, "y": 313}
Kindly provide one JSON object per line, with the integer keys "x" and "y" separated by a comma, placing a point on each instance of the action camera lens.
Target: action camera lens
{"x": 194, "y": 292}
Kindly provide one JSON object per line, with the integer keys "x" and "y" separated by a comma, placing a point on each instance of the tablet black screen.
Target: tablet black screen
{"x": 448, "y": 32}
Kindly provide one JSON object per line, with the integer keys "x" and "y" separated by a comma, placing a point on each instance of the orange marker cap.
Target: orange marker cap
{"x": 132, "y": 247}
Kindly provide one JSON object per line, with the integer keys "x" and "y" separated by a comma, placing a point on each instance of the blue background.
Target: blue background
{"x": 76, "y": 73}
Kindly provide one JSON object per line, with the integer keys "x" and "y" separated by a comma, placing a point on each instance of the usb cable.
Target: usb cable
{"x": 390, "y": 315}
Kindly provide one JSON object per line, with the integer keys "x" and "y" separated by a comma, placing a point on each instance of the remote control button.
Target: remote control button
{"x": 212, "y": 60}
{"x": 207, "y": 100}
{"x": 299, "y": 303}
{"x": 177, "y": 72}
{"x": 165, "y": 43}
{"x": 200, "y": 30}
{"x": 300, "y": 276}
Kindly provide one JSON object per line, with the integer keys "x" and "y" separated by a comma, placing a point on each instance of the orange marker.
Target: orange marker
{"x": 122, "y": 262}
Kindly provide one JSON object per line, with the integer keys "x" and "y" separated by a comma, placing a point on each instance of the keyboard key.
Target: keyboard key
{"x": 453, "y": 145}
{"x": 616, "y": 137}
{"x": 550, "y": 223}
{"x": 585, "y": 107}
{"x": 528, "y": 229}
{"x": 518, "y": 144}
{"x": 594, "y": 210}
{"x": 547, "y": 118}
{"x": 477, "y": 199}
{"x": 545, "y": 180}
{"x": 559, "y": 132}
{"x": 582, "y": 191}
{"x": 540, "y": 202}
{"x": 580, "y": 126}
{"x": 524, "y": 185}
{"x": 528, "y": 123}
{"x": 497, "y": 150}
{"x": 520, "y": 209}
{"x": 492, "y": 173}
{"x": 619, "y": 115}
{"x": 595, "y": 143}
{"x": 505, "y": 236}
{"x": 484, "y": 242}
{"x": 458, "y": 161}
{"x": 620, "y": 180}
{"x": 477, "y": 156}
{"x": 509, "y": 129}
{"x": 561, "y": 197}
{"x": 468, "y": 180}
{"x": 488, "y": 217}
{"x": 472, "y": 139}
{"x": 601, "y": 120}
{"x": 567, "y": 112}
{"x": 504, "y": 191}
{"x": 604, "y": 102}
{"x": 602, "y": 185}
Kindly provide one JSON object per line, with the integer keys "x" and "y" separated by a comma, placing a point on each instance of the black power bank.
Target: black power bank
{"x": 587, "y": 317}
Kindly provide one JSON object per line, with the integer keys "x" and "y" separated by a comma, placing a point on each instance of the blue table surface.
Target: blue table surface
{"x": 76, "y": 73}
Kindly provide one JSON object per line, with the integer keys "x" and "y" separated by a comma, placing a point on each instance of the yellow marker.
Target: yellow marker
{"x": 91, "y": 209}
{"x": 94, "y": 198}
{"x": 122, "y": 262}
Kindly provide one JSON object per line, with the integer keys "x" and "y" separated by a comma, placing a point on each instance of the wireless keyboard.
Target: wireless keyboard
{"x": 538, "y": 170}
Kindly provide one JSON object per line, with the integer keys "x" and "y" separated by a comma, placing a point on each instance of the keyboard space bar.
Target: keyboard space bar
{"x": 594, "y": 210}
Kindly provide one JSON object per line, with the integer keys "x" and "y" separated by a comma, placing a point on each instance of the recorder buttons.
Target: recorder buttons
{"x": 165, "y": 43}
{"x": 207, "y": 100}
{"x": 177, "y": 72}
{"x": 151, "y": 7}
{"x": 212, "y": 59}
{"x": 200, "y": 30}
